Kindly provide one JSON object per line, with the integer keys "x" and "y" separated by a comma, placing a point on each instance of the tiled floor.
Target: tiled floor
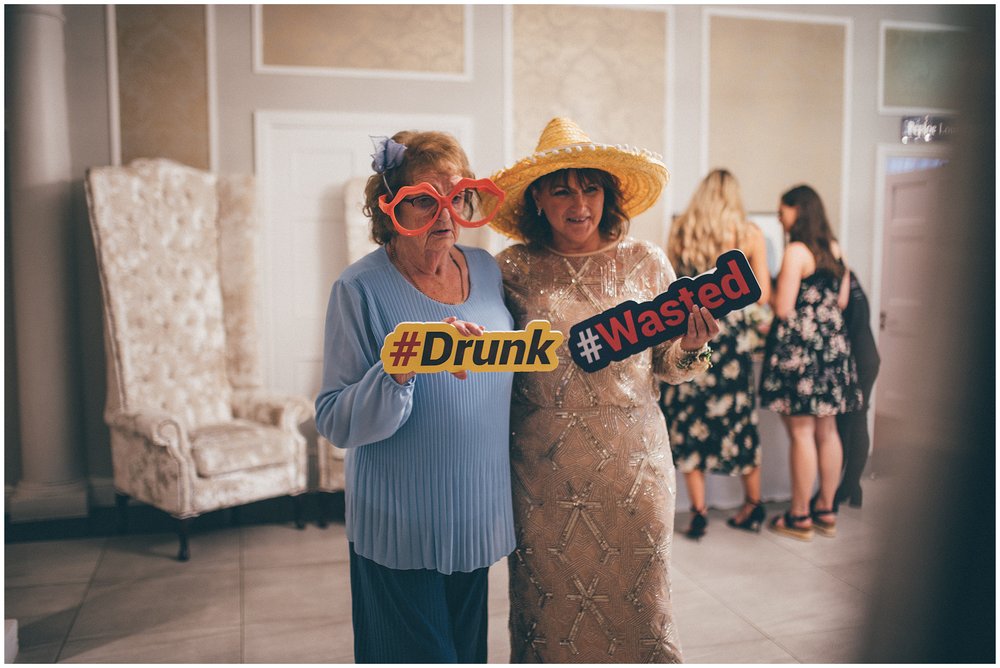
{"x": 272, "y": 593}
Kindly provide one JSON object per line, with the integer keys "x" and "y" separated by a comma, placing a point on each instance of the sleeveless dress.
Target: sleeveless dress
{"x": 808, "y": 366}
{"x": 713, "y": 419}
{"x": 593, "y": 480}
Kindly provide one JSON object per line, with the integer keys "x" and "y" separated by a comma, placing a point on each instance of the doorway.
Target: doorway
{"x": 909, "y": 180}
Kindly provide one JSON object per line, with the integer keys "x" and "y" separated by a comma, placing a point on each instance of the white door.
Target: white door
{"x": 303, "y": 164}
{"x": 905, "y": 319}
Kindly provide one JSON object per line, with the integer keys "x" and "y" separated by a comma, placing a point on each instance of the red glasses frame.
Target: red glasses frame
{"x": 443, "y": 201}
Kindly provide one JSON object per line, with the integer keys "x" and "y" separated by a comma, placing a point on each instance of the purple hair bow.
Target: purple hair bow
{"x": 388, "y": 154}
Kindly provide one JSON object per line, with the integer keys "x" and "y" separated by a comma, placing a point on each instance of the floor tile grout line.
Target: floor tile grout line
{"x": 83, "y": 600}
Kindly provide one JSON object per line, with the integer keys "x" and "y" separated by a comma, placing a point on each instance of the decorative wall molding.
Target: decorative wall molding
{"x": 911, "y": 26}
{"x": 303, "y": 161}
{"x": 259, "y": 67}
{"x": 844, "y": 135}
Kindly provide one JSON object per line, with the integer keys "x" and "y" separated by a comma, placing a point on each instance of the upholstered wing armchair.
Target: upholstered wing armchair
{"x": 192, "y": 429}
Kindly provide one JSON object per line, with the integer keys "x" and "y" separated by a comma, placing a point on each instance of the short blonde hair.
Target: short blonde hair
{"x": 423, "y": 149}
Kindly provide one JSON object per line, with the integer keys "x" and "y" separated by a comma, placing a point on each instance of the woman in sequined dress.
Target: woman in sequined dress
{"x": 809, "y": 375}
{"x": 713, "y": 419}
{"x": 593, "y": 480}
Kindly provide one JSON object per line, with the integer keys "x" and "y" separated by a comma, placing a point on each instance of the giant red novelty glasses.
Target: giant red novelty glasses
{"x": 415, "y": 208}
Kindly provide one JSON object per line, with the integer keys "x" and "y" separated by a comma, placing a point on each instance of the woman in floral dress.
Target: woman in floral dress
{"x": 809, "y": 374}
{"x": 713, "y": 419}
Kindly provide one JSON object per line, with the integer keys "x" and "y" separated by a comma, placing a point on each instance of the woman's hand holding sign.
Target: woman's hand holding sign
{"x": 465, "y": 329}
{"x": 702, "y": 328}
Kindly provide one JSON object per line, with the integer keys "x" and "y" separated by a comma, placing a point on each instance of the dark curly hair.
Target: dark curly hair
{"x": 535, "y": 229}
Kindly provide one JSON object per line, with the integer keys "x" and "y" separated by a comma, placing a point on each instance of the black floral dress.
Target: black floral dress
{"x": 808, "y": 366}
{"x": 712, "y": 420}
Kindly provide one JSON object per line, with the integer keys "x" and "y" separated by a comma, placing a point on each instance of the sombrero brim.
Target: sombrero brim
{"x": 641, "y": 173}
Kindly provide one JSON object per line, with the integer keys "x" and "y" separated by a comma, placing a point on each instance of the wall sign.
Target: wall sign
{"x": 923, "y": 129}
{"x": 630, "y": 328}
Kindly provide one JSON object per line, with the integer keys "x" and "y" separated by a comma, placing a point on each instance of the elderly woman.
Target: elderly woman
{"x": 427, "y": 466}
{"x": 593, "y": 481}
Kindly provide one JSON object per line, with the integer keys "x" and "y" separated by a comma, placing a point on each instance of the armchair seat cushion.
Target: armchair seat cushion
{"x": 240, "y": 445}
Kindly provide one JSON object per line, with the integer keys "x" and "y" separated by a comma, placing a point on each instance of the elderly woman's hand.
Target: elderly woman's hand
{"x": 464, "y": 328}
{"x": 702, "y": 328}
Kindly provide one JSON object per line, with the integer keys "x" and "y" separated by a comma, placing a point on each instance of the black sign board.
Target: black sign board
{"x": 923, "y": 129}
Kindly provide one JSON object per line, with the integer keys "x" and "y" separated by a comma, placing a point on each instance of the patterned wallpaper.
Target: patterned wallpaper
{"x": 418, "y": 38}
{"x": 776, "y": 113}
{"x": 603, "y": 67}
{"x": 163, "y": 83}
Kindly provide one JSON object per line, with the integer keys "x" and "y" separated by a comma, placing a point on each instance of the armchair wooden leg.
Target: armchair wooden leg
{"x": 121, "y": 504}
{"x": 183, "y": 527}
{"x": 300, "y": 523}
{"x": 324, "y": 509}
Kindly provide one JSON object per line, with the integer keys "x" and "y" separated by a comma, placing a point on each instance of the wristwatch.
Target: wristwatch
{"x": 691, "y": 357}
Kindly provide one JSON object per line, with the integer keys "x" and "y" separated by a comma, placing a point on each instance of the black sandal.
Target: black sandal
{"x": 824, "y": 527}
{"x": 754, "y": 520}
{"x": 789, "y": 528}
{"x": 699, "y": 523}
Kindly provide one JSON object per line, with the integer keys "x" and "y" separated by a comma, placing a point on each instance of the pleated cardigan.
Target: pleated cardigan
{"x": 427, "y": 464}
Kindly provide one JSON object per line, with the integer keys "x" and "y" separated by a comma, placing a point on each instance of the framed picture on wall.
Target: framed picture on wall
{"x": 919, "y": 67}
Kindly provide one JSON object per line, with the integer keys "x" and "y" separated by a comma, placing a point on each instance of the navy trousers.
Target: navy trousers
{"x": 417, "y": 616}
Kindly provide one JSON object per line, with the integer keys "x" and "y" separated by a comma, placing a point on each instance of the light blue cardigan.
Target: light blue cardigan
{"x": 427, "y": 463}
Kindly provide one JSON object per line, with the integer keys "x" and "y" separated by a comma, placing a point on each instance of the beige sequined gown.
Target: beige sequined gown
{"x": 592, "y": 475}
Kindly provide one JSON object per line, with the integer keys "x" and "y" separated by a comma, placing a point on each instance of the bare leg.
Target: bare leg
{"x": 831, "y": 458}
{"x": 695, "y": 481}
{"x": 751, "y": 495}
{"x": 696, "y": 492}
{"x": 802, "y": 432}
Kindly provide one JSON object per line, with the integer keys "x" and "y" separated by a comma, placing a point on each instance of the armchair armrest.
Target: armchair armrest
{"x": 286, "y": 412}
{"x": 158, "y": 428}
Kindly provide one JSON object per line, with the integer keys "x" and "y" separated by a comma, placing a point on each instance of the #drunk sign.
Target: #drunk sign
{"x": 429, "y": 347}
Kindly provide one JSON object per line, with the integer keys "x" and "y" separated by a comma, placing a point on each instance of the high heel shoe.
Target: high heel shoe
{"x": 699, "y": 524}
{"x": 754, "y": 520}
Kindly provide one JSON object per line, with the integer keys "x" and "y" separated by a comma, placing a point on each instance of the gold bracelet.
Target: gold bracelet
{"x": 690, "y": 357}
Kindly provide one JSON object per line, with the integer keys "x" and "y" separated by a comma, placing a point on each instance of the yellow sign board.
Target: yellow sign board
{"x": 430, "y": 347}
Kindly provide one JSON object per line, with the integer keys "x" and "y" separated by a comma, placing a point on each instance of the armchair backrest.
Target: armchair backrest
{"x": 156, "y": 227}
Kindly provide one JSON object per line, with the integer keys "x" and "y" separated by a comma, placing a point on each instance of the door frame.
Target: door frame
{"x": 884, "y": 151}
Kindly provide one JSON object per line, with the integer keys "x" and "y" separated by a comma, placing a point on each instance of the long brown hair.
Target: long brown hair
{"x": 812, "y": 228}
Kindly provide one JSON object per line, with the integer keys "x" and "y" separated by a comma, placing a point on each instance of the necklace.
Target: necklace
{"x": 391, "y": 249}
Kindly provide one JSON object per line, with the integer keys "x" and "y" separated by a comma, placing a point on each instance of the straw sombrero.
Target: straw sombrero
{"x": 563, "y": 145}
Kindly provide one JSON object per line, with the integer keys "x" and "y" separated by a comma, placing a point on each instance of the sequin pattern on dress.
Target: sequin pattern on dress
{"x": 593, "y": 480}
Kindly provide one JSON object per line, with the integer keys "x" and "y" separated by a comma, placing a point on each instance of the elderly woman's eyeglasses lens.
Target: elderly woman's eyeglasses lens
{"x": 415, "y": 208}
